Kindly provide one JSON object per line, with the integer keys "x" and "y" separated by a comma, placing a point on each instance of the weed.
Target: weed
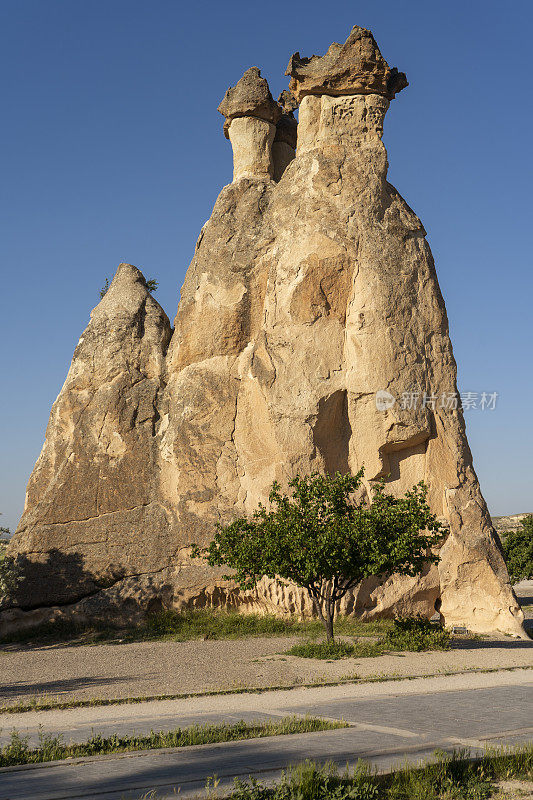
{"x": 324, "y": 650}
{"x": 52, "y": 748}
{"x": 416, "y": 634}
{"x": 310, "y": 781}
{"x": 449, "y": 777}
{"x": 332, "y": 651}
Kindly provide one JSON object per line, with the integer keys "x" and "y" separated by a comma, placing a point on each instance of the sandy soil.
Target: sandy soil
{"x": 157, "y": 668}
{"x": 514, "y": 790}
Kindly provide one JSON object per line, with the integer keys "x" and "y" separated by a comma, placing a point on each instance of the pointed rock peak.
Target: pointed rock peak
{"x": 250, "y": 97}
{"x": 355, "y": 67}
{"x": 128, "y": 293}
{"x": 127, "y": 273}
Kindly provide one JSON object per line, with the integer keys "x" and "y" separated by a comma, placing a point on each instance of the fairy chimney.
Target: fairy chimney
{"x": 251, "y": 116}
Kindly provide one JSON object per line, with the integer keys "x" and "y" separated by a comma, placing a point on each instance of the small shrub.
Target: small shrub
{"x": 332, "y": 651}
{"x": 152, "y": 286}
{"x": 103, "y": 290}
{"x": 416, "y": 633}
{"x": 326, "y": 650}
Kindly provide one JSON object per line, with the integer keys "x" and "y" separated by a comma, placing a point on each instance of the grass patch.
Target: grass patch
{"x": 416, "y": 634}
{"x": 332, "y": 651}
{"x": 404, "y": 633}
{"x": 450, "y": 777}
{"x": 326, "y": 650}
{"x": 211, "y": 624}
{"x": 188, "y": 625}
{"x": 52, "y": 748}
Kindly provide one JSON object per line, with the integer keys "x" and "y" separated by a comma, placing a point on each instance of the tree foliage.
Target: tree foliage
{"x": 103, "y": 290}
{"x": 8, "y": 567}
{"x": 320, "y": 539}
{"x": 518, "y": 549}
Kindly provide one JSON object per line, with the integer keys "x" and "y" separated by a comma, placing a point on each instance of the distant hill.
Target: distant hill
{"x": 511, "y": 523}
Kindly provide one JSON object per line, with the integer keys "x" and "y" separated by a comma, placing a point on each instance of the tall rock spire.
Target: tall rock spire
{"x": 309, "y": 299}
{"x": 92, "y": 515}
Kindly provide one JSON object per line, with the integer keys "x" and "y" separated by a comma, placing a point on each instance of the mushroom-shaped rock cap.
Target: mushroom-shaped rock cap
{"x": 250, "y": 97}
{"x": 355, "y": 67}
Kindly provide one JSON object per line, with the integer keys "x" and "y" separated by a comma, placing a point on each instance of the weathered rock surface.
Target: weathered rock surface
{"x": 307, "y": 295}
{"x": 355, "y": 67}
{"x": 250, "y": 97}
{"x": 92, "y": 516}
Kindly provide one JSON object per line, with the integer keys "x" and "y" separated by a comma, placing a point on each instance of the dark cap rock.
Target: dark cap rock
{"x": 287, "y": 127}
{"x": 355, "y": 67}
{"x": 250, "y": 97}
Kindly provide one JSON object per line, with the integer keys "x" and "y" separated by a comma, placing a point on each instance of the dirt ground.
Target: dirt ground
{"x": 142, "y": 669}
{"x": 155, "y": 668}
{"x": 514, "y": 790}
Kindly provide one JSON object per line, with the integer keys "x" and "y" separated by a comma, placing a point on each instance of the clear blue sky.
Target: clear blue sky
{"x": 113, "y": 151}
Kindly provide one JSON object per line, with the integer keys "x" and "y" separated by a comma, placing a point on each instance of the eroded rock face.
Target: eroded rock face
{"x": 305, "y": 298}
{"x": 92, "y": 514}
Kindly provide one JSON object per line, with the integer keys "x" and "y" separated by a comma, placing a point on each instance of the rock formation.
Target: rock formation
{"x": 312, "y": 295}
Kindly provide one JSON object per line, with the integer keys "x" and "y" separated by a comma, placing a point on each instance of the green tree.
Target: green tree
{"x": 326, "y": 543}
{"x": 518, "y": 549}
{"x": 8, "y": 568}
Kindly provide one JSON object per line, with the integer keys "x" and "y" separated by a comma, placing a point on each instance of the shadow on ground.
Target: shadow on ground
{"x": 8, "y": 691}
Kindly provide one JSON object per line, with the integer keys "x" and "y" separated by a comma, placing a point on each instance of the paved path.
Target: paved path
{"x": 390, "y": 722}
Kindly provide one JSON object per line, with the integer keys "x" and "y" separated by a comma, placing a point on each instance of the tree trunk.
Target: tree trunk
{"x": 330, "y": 611}
{"x": 326, "y": 615}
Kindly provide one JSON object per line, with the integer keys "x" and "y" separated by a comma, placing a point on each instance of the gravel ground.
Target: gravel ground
{"x": 141, "y": 669}
{"x": 151, "y": 668}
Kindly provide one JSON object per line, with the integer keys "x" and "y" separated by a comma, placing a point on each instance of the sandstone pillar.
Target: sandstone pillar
{"x": 251, "y": 139}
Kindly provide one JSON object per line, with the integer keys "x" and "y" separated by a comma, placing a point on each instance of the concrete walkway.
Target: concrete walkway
{"x": 389, "y": 723}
